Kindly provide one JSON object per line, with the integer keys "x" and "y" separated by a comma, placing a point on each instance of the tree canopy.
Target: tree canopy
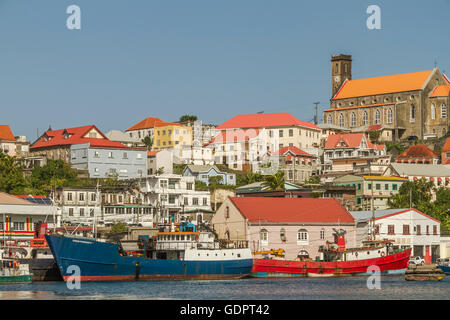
{"x": 418, "y": 195}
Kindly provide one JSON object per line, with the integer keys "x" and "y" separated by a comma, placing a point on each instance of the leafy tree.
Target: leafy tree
{"x": 420, "y": 193}
{"x": 54, "y": 173}
{"x": 274, "y": 181}
{"x": 374, "y": 135}
{"x": 215, "y": 182}
{"x": 118, "y": 227}
{"x": 412, "y": 192}
{"x": 11, "y": 177}
{"x": 201, "y": 186}
{"x": 148, "y": 141}
{"x": 313, "y": 180}
{"x": 187, "y": 117}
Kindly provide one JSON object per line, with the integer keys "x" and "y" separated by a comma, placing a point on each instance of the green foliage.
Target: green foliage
{"x": 274, "y": 181}
{"x": 420, "y": 192}
{"x": 187, "y": 117}
{"x": 201, "y": 186}
{"x": 397, "y": 147}
{"x": 148, "y": 141}
{"x": 11, "y": 178}
{"x": 313, "y": 180}
{"x": 178, "y": 168}
{"x": 215, "y": 181}
{"x": 374, "y": 135}
{"x": 54, "y": 173}
{"x": 316, "y": 194}
{"x": 119, "y": 227}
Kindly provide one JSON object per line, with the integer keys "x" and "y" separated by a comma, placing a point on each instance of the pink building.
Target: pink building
{"x": 7, "y": 141}
{"x": 297, "y": 225}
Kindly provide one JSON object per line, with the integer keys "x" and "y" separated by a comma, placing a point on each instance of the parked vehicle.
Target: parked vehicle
{"x": 418, "y": 261}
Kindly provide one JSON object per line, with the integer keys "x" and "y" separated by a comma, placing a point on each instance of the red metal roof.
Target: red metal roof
{"x": 417, "y": 151}
{"x": 147, "y": 123}
{"x": 265, "y": 120}
{"x": 235, "y": 135}
{"x": 71, "y": 136}
{"x": 291, "y": 149}
{"x": 312, "y": 210}
{"x": 351, "y": 140}
{"x": 6, "y": 133}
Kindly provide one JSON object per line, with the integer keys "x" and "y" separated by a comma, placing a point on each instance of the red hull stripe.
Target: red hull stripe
{"x": 159, "y": 277}
{"x": 396, "y": 261}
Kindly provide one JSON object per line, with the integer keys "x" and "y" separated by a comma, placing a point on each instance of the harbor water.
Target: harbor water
{"x": 344, "y": 288}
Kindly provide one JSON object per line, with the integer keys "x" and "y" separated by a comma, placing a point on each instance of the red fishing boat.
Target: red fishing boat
{"x": 335, "y": 260}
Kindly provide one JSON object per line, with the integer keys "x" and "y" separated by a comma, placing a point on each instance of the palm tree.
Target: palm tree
{"x": 148, "y": 141}
{"x": 274, "y": 181}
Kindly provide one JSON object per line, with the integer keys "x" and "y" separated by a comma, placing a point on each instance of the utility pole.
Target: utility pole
{"x": 316, "y": 117}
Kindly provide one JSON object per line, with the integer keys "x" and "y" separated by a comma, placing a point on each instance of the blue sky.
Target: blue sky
{"x": 212, "y": 58}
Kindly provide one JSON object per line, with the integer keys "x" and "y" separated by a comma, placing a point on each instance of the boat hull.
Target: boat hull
{"x": 44, "y": 269}
{"x": 16, "y": 279}
{"x": 424, "y": 277}
{"x": 100, "y": 261}
{"x": 445, "y": 269}
{"x": 392, "y": 264}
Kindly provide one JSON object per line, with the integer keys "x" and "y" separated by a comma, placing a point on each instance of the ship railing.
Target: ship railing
{"x": 233, "y": 244}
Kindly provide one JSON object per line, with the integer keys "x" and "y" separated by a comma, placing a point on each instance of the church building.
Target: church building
{"x": 401, "y": 105}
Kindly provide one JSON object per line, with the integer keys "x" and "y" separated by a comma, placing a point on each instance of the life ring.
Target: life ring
{"x": 382, "y": 253}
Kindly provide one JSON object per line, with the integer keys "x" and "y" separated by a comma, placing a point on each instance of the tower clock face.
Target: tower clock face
{"x": 336, "y": 79}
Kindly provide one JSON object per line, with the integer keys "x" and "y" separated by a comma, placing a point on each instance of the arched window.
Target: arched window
{"x": 389, "y": 116}
{"x": 330, "y": 119}
{"x": 341, "y": 120}
{"x": 443, "y": 111}
{"x": 353, "y": 119}
{"x": 264, "y": 236}
{"x": 433, "y": 111}
{"x": 412, "y": 113}
{"x": 377, "y": 116}
{"x": 302, "y": 237}
{"x": 365, "y": 119}
{"x": 336, "y": 68}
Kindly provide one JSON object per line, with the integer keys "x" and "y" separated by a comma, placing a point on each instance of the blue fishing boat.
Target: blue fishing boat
{"x": 183, "y": 254}
{"x": 444, "y": 268}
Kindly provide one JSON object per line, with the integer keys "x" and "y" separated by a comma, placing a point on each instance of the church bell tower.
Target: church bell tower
{"x": 341, "y": 70}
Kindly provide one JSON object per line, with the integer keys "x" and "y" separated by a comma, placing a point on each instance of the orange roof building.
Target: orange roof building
{"x": 418, "y": 153}
{"x": 7, "y": 141}
{"x": 400, "y": 103}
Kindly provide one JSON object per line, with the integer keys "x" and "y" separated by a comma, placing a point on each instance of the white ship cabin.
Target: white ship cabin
{"x": 338, "y": 252}
{"x": 185, "y": 240}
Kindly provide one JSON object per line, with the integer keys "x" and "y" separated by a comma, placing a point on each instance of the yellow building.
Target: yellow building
{"x": 171, "y": 135}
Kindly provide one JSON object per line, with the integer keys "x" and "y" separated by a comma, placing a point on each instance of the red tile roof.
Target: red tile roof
{"x": 147, "y": 123}
{"x": 382, "y": 85}
{"x": 446, "y": 147}
{"x": 417, "y": 151}
{"x": 235, "y": 135}
{"x": 152, "y": 153}
{"x": 351, "y": 140}
{"x": 75, "y": 136}
{"x": 292, "y": 150}
{"x": 265, "y": 120}
{"x": 6, "y": 133}
{"x": 441, "y": 91}
{"x": 307, "y": 210}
